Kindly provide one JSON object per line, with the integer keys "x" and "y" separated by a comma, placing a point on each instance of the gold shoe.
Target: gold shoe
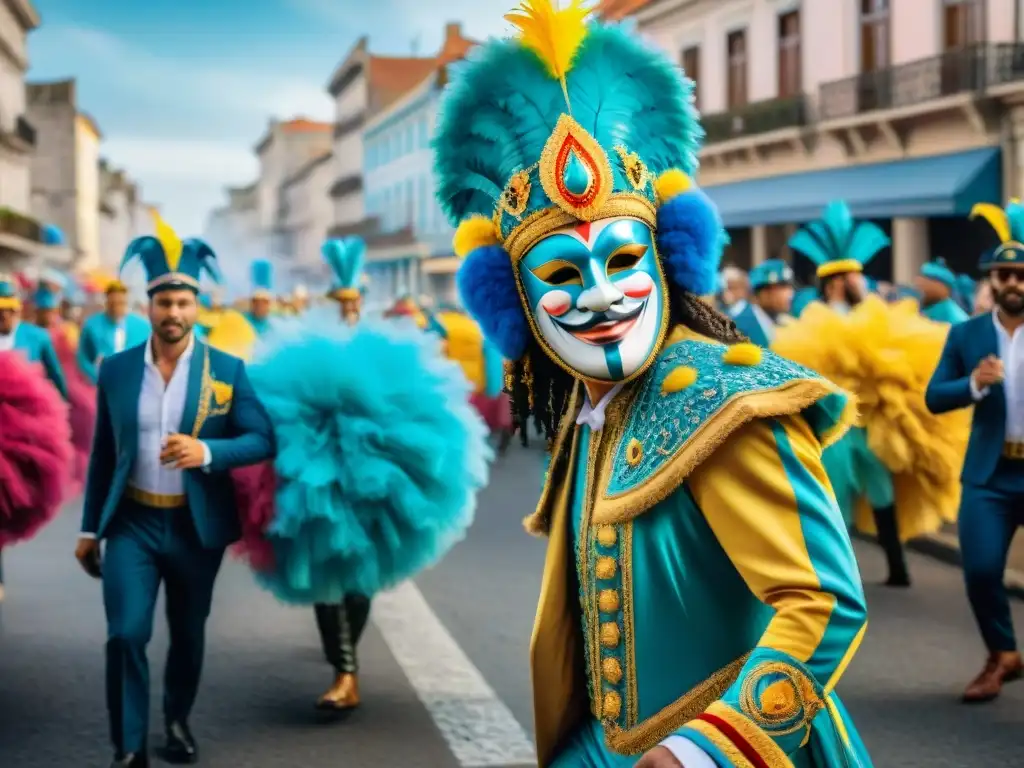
{"x": 344, "y": 694}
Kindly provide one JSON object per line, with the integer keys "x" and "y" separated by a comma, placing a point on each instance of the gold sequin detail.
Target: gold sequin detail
{"x": 608, "y": 601}
{"x": 605, "y": 568}
{"x": 611, "y": 670}
{"x": 611, "y": 707}
{"x": 634, "y": 452}
{"x": 610, "y": 634}
{"x": 636, "y": 171}
{"x": 516, "y": 196}
{"x": 606, "y": 536}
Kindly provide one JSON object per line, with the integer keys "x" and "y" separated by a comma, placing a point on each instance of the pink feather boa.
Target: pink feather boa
{"x": 82, "y": 400}
{"x": 254, "y": 493}
{"x": 35, "y": 449}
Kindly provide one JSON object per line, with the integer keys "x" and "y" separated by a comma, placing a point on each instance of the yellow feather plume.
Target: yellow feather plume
{"x": 555, "y": 35}
{"x": 169, "y": 240}
{"x": 995, "y": 216}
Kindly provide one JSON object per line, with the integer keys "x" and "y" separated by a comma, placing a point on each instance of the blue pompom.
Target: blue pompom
{"x": 690, "y": 241}
{"x": 487, "y": 285}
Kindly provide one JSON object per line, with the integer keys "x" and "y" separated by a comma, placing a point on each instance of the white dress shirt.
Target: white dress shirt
{"x": 120, "y": 334}
{"x": 684, "y": 750}
{"x": 1011, "y": 352}
{"x": 7, "y": 342}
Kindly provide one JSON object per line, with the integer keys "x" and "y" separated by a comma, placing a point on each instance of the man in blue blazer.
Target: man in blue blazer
{"x": 111, "y": 331}
{"x": 771, "y": 285}
{"x": 173, "y": 417}
{"x": 983, "y": 365}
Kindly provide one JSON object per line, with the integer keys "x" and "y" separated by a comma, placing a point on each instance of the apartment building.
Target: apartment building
{"x": 908, "y": 109}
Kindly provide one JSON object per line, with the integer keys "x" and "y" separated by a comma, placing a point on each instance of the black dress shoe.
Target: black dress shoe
{"x": 180, "y": 748}
{"x": 131, "y": 760}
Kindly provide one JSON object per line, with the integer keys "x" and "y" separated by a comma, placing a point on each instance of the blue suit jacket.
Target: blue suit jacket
{"x": 97, "y": 340}
{"x": 221, "y": 409}
{"x": 35, "y": 343}
{"x": 967, "y": 345}
{"x": 750, "y": 327}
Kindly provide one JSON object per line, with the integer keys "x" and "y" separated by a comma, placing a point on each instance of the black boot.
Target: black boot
{"x": 889, "y": 540}
{"x": 180, "y": 747}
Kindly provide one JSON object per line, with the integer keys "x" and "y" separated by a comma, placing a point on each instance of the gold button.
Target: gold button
{"x": 610, "y": 634}
{"x": 605, "y": 568}
{"x": 608, "y": 601}
{"x": 611, "y": 706}
{"x": 634, "y": 452}
{"x": 606, "y": 536}
{"x": 611, "y": 670}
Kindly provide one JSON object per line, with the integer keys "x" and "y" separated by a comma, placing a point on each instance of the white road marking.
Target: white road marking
{"x": 479, "y": 728}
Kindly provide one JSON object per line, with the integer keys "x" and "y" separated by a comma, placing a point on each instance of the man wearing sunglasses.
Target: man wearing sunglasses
{"x": 983, "y": 365}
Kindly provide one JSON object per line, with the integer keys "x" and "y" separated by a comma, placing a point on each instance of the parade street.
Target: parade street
{"x": 444, "y": 665}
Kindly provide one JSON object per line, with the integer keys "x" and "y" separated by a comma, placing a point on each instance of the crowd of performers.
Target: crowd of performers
{"x": 705, "y": 464}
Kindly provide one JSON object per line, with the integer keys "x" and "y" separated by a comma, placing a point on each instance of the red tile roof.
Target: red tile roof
{"x": 616, "y": 10}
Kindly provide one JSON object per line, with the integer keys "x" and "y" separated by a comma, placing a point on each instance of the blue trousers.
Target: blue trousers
{"x": 989, "y": 518}
{"x": 145, "y": 547}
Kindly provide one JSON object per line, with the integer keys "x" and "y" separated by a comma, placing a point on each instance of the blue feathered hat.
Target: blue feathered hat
{"x": 45, "y": 297}
{"x": 836, "y": 243}
{"x": 261, "y": 275}
{"x": 771, "y": 272}
{"x": 938, "y": 270}
{"x": 570, "y": 122}
{"x": 10, "y": 298}
{"x": 170, "y": 263}
{"x": 1008, "y": 224}
{"x": 346, "y": 258}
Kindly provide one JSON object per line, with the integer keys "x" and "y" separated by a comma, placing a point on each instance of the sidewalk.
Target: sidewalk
{"x": 945, "y": 546}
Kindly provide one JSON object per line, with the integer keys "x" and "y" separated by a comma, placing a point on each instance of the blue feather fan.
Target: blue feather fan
{"x": 346, "y": 258}
{"x": 262, "y": 275}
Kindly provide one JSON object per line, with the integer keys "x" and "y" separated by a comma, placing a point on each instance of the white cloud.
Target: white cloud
{"x": 170, "y": 159}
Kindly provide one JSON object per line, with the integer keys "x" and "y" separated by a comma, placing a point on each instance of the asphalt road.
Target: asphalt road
{"x": 445, "y": 679}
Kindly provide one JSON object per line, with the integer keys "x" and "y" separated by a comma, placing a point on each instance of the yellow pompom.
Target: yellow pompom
{"x": 679, "y": 379}
{"x": 672, "y": 183}
{"x": 474, "y": 232}
{"x": 742, "y": 354}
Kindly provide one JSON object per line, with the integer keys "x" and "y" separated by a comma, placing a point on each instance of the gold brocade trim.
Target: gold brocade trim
{"x": 588, "y": 606}
{"x": 724, "y": 744}
{"x": 791, "y": 398}
{"x": 156, "y": 500}
{"x": 628, "y": 623}
{"x": 205, "y": 395}
{"x": 794, "y": 692}
{"x": 762, "y": 743}
{"x": 173, "y": 278}
{"x": 649, "y": 733}
{"x": 538, "y": 225}
{"x": 567, "y": 139}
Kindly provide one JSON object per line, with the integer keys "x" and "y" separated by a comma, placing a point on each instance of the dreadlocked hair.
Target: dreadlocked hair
{"x": 540, "y": 390}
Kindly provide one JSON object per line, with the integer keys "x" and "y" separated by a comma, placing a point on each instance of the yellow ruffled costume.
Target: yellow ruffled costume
{"x": 464, "y": 344}
{"x": 233, "y": 334}
{"x": 885, "y": 354}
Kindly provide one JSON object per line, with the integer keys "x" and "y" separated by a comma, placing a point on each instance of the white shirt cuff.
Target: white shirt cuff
{"x": 687, "y": 753}
{"x": 207, "y": 457}
{"x": 84, "y": 535}
{"x": 977, "y": 394}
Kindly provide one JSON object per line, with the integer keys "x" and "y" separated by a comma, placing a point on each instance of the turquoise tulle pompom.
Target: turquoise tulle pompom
{"x": 380, "y": 456}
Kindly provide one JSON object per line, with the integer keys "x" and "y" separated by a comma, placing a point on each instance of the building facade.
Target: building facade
{"x": 123, "y": 216}
{"x": 307, "y": 213}
{"x": 234, "y": 233}
{"x": 905, "y": 108}
{"x": 19, "y": 231}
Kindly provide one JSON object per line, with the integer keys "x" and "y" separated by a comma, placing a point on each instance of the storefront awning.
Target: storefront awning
{"x": 942, "y": 185}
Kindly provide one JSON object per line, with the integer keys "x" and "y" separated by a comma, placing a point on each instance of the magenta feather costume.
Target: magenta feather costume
{"x": 35, "y": 449}
{"x": 82, "y": 401}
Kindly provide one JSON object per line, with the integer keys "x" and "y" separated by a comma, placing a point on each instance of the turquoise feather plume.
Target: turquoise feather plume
{"x": 502, "y": 106}
{"x": 346, "y": 257}
{"x": 205, "y": 256}
{"x": 1015, "y": 218}
{"x": 261, "y": 274}
{"x": 837, "y": 237}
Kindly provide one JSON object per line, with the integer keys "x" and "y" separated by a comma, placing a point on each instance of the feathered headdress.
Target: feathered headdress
{"x": 771, "y": 272}
{"x": 171, "y": 263}
{"x": 570, "y": 122}
{"x": 346, "y": 258}
{"x": 9, "y": 296}
{"x": 46, "y": 297}
{"x": 1008, "y": 224}
{"x": 938, "y": 270}
{"x": 261, "y": 276}
{"x": 836, "y": 243}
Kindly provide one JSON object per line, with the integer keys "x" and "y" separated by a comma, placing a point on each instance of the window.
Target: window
{"x": 409, "y": 138}
{"x": 962, "y": 23}
{"x": 736, "y": 45}
{"x": 410, "y": 200}
{"x": 691, "y": 67}
{"x": 424, "y": 134}
{"x": 790, "y": 66}
{"x": 874, "y": 35}
{"x": 424, "y": 206}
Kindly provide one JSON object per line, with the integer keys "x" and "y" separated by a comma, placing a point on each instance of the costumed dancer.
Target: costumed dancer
{"x": 380, "y": 457}
{"x": 937, "y": 285}
{"x": 174, "y": 416}
{"x": 772, "y": 285}
{"x": 685, "y": 479}
{"x": 261, "y": 300}
{"x": 35, "y": 439}
{"x": 977, "y": 369}
{"x": 896, "y": 473}
{"x": 81, "y": 393}
{"x": 113, "y": 330}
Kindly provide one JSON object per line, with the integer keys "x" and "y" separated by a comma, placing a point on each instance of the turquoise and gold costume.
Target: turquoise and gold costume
{"x": 756, "y": 324}
{"x": 262, "y": 290}
{"x": 700, "y": 590}
{"x": 946, "y": 310}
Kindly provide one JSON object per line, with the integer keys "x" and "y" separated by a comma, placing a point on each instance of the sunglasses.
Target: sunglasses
{"x": 1005, "y": 274}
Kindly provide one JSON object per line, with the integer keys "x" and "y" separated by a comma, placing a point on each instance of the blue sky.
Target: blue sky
{"x": 181, "y": 96}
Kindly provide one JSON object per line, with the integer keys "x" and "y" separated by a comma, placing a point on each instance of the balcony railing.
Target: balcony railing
{"x": 755, "y": 118}
{"x": 19, "y": 225}
{"x": 345, "y": 127}
{"x": 346, "y": 186}
{"x": 25, "y": 131}
{"x": 954, "y": 72}
{"x": 1006, "y": 63}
